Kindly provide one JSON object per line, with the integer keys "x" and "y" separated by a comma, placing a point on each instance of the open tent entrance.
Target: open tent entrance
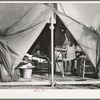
{"x": 43, "y": 42}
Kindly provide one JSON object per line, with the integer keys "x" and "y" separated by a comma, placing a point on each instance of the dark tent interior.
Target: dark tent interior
{"x": 43, "y": 42}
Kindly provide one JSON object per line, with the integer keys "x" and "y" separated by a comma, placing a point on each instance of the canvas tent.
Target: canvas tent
{"x": 21, "y": 35}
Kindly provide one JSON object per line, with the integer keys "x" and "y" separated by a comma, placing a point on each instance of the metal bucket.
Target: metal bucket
{"x": 27, "y": 73}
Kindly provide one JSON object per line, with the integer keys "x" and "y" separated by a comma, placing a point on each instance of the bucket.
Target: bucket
{"x": 27, "y": 73}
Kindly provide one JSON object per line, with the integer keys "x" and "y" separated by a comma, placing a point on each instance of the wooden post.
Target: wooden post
{"x": 84, "y": 68}
{"x": 62, "y": 65}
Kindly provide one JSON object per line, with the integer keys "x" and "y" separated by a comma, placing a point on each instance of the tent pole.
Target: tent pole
{"x": 52, "y": 51}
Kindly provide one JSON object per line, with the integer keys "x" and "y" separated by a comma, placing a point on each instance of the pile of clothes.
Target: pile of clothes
{"x": 27, "y": 62}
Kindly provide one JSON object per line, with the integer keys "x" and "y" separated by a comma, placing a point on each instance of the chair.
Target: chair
{"x": 86, "y": 68}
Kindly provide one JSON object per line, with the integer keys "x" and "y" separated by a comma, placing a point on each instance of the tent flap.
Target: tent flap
{"x": 22, "y": 35}
{"x": 84, "y": 36}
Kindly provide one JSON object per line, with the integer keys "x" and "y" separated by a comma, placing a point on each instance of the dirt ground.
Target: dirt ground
{"x": 57, "y": 78}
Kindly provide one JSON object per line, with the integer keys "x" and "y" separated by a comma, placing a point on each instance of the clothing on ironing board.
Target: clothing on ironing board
{"x": 70, "y": 55}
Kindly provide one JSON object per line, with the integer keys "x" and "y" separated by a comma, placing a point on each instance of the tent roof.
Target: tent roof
{"x": 12, "y": 12}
